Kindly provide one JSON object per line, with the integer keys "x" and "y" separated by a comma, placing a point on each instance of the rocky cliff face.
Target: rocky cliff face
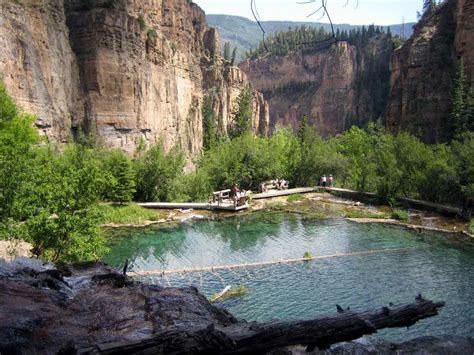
{"x": 128, "y": 69}
{"x": 424, "y": 68}
{"x": 335, "y": 87}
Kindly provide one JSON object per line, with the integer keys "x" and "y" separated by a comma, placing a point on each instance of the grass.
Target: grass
{"x": 364, "y": 214}
{"x": 400, "y": 215}
{"x": 128, "y": 214}
{"x": 235, "y": 292}
{"x": 295, "y": 198}
{"x": 277, "y": 206}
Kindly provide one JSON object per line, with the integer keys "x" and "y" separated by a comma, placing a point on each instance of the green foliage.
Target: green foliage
{"x": 317, "y": 157}
{"x": 243, "y": 116}
{"x": 307, "y": 39}
{"x": 233, "y": 56}
{"x": 428, "y": 5}
{"x": 209, "y": 125}
{"x": 127, "y": 214}
{"x": 470, "y": 228}
{"x": 307, "y": 255}
{"x": 457, "y": 108}
{"x": 8, "y": 109}
{"x": 156, "y": 170}
{"x": 151, "y": 35}
{"x": 229, "y": 59}
{"x": 295, "y": 198}
{"x": 141, "y": 22}
{"x": 463, "y": 151}
{"x": 192, "y": 187}
{"x": 58, "y": 204}
{"x": 226, "y": 52}
{"x": 121, "y": 183}
{"x": 401, "y": 215}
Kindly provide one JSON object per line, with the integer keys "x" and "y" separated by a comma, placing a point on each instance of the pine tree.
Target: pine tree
{"x": 468, "y": 112}
{"x": 232, "y": 59}
{"x": 226, "y": 54}
{"x": 457, "y": 108}
{"x": 428, "y": 5}
{"x": 209, "y": 125}
{"x": 304, "y": 125}
{"x": 243, "y": 116}
{"x": 125, "y": 186}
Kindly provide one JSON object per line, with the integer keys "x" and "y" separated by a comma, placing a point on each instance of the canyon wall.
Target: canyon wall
{"x": 130, "y": 70}
{"x": 336, "y": 88}
{"x": 423, "y": 70}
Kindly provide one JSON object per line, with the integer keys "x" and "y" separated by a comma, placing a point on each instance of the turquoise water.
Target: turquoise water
{"x": 440, "y": 267}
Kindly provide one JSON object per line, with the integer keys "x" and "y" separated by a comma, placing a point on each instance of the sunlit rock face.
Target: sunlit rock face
{"x": 424, "y": 68}
{"x": 128, "y": 70}
{"x": 332, "y": 86}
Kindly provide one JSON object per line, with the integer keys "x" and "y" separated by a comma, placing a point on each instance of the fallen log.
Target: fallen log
{"x": 259, "y": 338}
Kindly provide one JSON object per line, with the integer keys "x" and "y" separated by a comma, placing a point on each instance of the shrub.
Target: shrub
{"x": 308, "y": 255}
{"x": 141, "y": 22}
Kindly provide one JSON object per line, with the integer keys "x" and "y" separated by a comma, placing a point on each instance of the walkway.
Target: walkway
{"x": 277, "y": 193}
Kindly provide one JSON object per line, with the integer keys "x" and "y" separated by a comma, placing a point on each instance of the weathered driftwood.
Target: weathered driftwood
{"x": 266, "y": 263}
{"x": 262, "y": 337}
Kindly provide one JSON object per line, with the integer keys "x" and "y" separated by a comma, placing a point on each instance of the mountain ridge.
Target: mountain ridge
{"x": 245, "y": 34}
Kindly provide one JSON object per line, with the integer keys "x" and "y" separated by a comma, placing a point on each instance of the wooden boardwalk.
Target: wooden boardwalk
{"x": 278, "y": 193}
{"x": 227, "y": 205}
{"x": 450, "y": 210}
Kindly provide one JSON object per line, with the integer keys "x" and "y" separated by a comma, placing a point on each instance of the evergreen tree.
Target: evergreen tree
{"x": 468, "y": 111}
{"x": 226, "y": 54}
{"x": 234, "y": 54}
{"x": 304, "y": 127}
{"x": 209, "y": 125}
{"x": 428, "y": 5}
{"x": 243, "y": 116}
{"x": 125, "y": 180}
{"x": 457, "y": 108}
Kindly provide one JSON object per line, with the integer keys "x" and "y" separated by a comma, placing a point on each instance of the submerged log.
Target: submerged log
{"x": 262, "y": 337}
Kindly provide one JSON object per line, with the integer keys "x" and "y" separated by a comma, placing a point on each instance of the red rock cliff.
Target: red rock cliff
{"x": 130, "y": 70}
{"x": 331, "y": 86}
{"x": 424, "y": 67}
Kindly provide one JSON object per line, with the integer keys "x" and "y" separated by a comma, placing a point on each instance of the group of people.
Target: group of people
{"x": 325, "y": 181}
{"x": 239, "y": 196}
{"x": 278, "y": 184}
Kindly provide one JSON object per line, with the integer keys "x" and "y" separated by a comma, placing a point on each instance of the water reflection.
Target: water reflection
{"x": 440, "y": 267}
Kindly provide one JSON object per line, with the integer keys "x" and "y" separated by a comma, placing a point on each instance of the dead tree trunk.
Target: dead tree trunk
{"x": 262, "y": 337}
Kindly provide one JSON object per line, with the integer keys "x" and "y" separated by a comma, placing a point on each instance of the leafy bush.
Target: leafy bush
{"x": 156, "y": 171}
{"x": 152, "y": 35}
{"x": 307, "y": 255}
{"x": 141, "y": 22}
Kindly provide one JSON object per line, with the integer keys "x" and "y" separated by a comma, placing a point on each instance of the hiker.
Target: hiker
{"x": 330, "y": 180}
{"x": 235, "y": 189}
{"x": 324, "y": 180}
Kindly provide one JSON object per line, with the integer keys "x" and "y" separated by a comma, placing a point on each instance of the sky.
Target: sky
{"x": 379, "y": 12}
